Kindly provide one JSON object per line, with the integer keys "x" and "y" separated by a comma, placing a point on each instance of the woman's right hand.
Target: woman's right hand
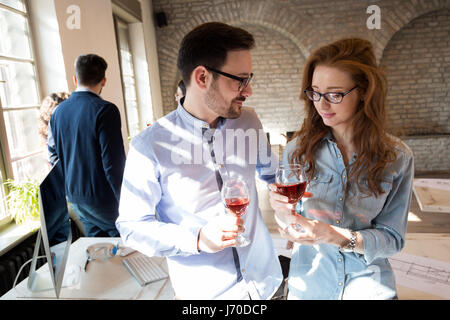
{"x": 283, "y": 209}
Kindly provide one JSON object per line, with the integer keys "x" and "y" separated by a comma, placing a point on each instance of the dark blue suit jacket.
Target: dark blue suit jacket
{"x": 87, "y": 138}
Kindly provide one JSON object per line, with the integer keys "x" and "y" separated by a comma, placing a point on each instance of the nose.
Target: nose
{"x": 247, "y": 92}
{"x": 322, "y": 103}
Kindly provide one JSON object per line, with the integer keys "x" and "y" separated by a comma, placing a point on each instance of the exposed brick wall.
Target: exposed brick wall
{"x": 286, "y": 31}
{"x": 417, "y": 60}
{"x": 277, "y": 65}
{"x": 431, "y": 153}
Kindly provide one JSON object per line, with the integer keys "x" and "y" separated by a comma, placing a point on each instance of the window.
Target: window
{"x": 23, "y": 154}
{"x": 128, "y": 77}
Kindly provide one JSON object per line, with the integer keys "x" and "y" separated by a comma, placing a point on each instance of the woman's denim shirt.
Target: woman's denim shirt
{"x": 323, "y": 271}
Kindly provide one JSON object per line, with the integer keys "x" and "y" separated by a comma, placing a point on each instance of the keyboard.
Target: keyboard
{"x": 144, "y": 269}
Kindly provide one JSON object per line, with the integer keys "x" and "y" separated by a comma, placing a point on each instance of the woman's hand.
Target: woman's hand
{"x": 311, "y": 232}
{"x": 285, "y": 214}
{"x": 308, "y": 231}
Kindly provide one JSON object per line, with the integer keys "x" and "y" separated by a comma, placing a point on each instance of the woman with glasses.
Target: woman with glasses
{"x": 360, "y": 177}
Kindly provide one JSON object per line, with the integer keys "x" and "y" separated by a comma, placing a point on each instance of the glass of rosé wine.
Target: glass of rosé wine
{"x": 236, "y": 197}
{"x": 290, "y": 180}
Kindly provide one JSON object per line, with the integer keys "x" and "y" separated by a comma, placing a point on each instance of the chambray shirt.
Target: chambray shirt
{"x": 323, "y": 271}
{"x": 170, "y": 191}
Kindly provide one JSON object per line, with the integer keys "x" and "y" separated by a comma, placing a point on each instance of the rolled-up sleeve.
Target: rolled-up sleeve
{"x": 387, "y": 235}
{"x": 138, "y": 222}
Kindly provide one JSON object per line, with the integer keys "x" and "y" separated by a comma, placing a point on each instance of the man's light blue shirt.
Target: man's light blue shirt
{"x": 170, "y": 192}
{"x": 323, "y": 271}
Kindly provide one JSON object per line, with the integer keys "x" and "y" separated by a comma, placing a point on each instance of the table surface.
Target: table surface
{"x": 103, "y": 279}
{"x": 429, "y": 245}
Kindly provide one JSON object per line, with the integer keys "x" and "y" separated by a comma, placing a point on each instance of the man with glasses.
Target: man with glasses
{"x": 171, "y": 201}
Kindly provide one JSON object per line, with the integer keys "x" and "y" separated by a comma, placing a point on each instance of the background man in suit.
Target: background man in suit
{"x": 86, "y": 137}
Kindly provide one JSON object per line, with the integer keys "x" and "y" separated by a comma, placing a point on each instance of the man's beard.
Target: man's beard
{"x": 214, "y": 100}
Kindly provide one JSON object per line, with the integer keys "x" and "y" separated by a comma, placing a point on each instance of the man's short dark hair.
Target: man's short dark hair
{"x": 90, "y": 69}
{"x": 208, "y": 44}
{"x": 182, "y": 87}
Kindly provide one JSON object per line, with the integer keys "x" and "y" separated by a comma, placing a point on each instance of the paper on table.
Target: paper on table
{"x": 423, "y": 274}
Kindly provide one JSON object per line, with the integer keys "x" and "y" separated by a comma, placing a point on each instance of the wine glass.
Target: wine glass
{"x": 290, "y": 180}
{"x": 236, "y": 197}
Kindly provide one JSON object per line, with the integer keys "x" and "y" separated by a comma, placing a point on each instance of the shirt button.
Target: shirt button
{"x": 338, "y": 221}
{"x": 339, "y": 260}
{"x": 339, "y": 156}
{"x": 340, "y": 283}
{"x": 315, "y": 178}
{"x": 340, "y": 199}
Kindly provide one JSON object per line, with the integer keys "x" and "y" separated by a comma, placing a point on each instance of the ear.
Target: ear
{"x": 362, "y": 94}
{"x": 201, "y": 77}
{"x": 103, "y": 82}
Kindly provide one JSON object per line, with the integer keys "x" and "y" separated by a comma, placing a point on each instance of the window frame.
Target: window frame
{"x": 117, "y": 21}
{"x": 6, "y": 162}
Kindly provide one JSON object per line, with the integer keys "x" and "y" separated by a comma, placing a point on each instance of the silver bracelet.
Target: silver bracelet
{"x": 350, "y": 246}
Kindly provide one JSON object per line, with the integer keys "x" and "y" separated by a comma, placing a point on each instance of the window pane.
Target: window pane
{"x": 22, "y": 131}
{"x": 16, "y": 4}
{"x": 133, "y": 118}
{"x": 128, "y": 80}
{"x": 3, "y": 212}
{"x": 35, "y": 167}
{"x": 14, "y": 35}
{"x": 19, "y": 86}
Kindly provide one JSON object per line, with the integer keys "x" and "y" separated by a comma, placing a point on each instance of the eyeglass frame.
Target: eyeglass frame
{"x": 342, "y": 94}
{"x": 242, "y": 81}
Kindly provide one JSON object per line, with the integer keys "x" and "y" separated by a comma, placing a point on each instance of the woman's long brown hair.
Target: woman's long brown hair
{"x": 374, "y": 147}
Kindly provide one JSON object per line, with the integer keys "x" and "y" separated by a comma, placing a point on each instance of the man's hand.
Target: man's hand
{"x": 219, "y": 233}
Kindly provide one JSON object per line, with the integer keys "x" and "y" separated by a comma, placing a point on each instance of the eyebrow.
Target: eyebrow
{"x": 328, "y": 88}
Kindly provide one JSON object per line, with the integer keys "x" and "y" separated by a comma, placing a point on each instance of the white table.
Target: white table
{"x": 104, "y": 279}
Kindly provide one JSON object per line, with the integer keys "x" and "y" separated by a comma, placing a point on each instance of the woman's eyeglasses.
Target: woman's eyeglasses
{"x": 243, "y": 82}
{"x": 332, "y": 97}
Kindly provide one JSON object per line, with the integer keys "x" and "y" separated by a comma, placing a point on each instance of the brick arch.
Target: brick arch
{"x": 417, "y": 77}
{"x": 266, "y": 14}
{"x": 401, "y": 15}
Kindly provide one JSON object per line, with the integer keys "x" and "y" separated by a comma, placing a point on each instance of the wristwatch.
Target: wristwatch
{"x": 350, "y": 246}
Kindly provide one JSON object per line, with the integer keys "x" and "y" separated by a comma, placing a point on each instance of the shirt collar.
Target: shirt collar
{"x": 83, "y": 89}
{"x": 195, "y": 122}
{"x": 329, "y": 136}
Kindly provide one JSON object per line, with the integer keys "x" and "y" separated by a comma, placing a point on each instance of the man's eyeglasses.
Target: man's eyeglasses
{"x": 332, "y": 97}
{"x": 243, "y": 82}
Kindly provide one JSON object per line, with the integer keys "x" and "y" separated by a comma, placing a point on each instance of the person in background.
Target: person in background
{"x": 48, "y": 105}
{"x": 360, "y": 177}
{"x": 174, "y": 208}
{"x": 181, "y": 91}
{"x": 57, "y": 228}
{"x": 86, "y": 137}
